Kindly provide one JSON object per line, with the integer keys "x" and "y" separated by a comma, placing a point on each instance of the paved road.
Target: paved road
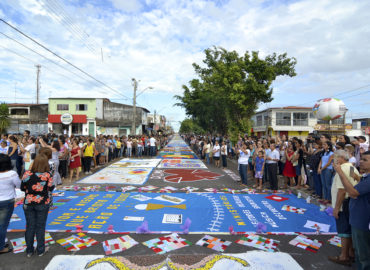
{"x": 306, "y": 259}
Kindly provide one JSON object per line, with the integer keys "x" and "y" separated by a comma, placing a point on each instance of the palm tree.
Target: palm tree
{"x": 4, "y": 117}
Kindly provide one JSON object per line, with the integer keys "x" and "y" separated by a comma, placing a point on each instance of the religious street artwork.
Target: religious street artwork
{"x": 259, "y": 242}
{"x": 110, "y": 175}
{"x": 135, "y": 163}
{"x": 77, "y": 242}
{"x": 182, "y": 164}
{"x": 249, "y": 260}
{"x": 166, "y": 243}
{"x": 119, "y": 244}
{"x": 306, "y": 243}
{"x": 213, "y": 243}
{"x": 208, "y": 212}
{"x": 184, "y": 175}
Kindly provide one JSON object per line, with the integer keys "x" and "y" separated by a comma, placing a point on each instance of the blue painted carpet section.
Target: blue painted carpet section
{"x": 208, "y": 212}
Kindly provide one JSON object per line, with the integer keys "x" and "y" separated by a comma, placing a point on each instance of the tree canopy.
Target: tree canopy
{"x": 229, "y": 88}
{"x": 189, "y": 126}
{"x": 4, "y": 117}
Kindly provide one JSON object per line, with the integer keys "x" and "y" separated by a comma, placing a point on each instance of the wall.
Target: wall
{"x": 91, "y": 106}
{"x": 116, "y": 112}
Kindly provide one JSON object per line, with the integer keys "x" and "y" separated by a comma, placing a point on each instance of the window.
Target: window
{"x": 81, "y": 107}
{"x": 300, "y": 119}
{"x": 259, "y": 120}
{"x": 283, "y": 119}
{"x": 19, "y": 111}
{"x": 312, "y": 116}
{"x": 62, "y": 107}
{"x": 267, "y": 120}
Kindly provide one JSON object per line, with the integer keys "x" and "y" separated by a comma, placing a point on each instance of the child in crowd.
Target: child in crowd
{"x": 4, "y": 147}
{"x": 259, "y": 165}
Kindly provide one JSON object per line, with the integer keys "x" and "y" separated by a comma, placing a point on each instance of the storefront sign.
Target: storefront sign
{"x": 66, "y": 118}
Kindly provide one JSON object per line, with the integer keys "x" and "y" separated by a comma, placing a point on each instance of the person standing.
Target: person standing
{"x": 224, "y": 154}
{"x": 359, "y": 211}
{"x": 216, "y": 153}
{"x": 88, "y": 151}
{"x": 259, "y": 164}
{"x": 13, "y": 151}
{"x": 152, "y": 143}
{"x": 207, "y": 150}
{"x": 9, "y": 180}
{"x": 272, "y": 158}
{"x": 37, "y": 185}
{"x": 340, "y": 202}
{"x": 244, "y": 154}
{"x": 326, "y": 170}
{"x": 289, "y": 170}
{"x": 55, "y": 148}
{"x": 75, "y": 160}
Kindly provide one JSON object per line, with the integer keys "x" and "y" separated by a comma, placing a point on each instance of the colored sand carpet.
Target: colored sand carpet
{"x": 77, "y": 242}
{"x": 167, "y": 243}
{"x": 259, "y": 242}
{"x": 19, "y": 244}
{"x": 118, "y": 244}
{"x": 214, "y": 243}
{"x": 306, "y": 243}
{"x": 335, "y": 241}
{"x": 293, "y": 209}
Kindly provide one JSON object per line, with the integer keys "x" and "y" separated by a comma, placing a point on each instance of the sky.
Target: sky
{"x": 156, "y": 43}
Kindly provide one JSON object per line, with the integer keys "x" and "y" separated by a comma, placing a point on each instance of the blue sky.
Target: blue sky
{"x": 157, "y": 41}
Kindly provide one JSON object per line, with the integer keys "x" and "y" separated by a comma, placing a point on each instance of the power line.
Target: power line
{"x": 341, "y": 93}
{"x": 54, "y": 11}
{"x": 63, "y": 59}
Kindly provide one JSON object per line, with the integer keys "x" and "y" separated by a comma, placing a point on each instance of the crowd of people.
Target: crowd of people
{"x": 72, "y": 155}
{"x": 37, "y": 165}
{"x": 336, "y": 170}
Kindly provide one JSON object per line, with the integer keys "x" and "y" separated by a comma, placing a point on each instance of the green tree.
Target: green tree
{"x": 189, "y": 126}
{"x": 4, "y": 117}
{"x": 230, "y": 87}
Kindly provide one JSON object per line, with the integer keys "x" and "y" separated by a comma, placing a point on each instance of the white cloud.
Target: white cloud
{"x": 127, "y": 5}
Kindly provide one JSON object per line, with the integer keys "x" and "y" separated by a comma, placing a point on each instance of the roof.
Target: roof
{"x": 24, "y": 104}
{"x": 286, "y": 108}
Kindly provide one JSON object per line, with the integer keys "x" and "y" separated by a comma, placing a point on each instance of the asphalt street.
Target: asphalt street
{"x": 305, "y": 259}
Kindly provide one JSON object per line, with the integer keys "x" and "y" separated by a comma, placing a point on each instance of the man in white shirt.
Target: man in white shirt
{"x": 152, "y": 143}
{"x": 272, "y": 158}
{"x": 216, "y": 154}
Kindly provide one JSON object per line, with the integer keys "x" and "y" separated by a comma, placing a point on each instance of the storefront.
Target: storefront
{"x": 77, "y": 124}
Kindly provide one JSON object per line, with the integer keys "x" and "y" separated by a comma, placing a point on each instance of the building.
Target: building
{"x": 117, "y": 119}
{"x": 94, "y": 116}
{"x": 363, "y": 124}
{"x": 291, "y": 121}
{"x": 157, "y": 123}
{"x": 32, "y": 117}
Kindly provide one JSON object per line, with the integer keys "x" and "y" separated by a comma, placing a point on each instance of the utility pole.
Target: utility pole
{"x": 38, "y": 84}
{"x": 155, "y": 119}
{"x": 133, "y": 127}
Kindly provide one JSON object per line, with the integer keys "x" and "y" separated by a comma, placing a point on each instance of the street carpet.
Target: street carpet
{"x": 167, "y": 212}
{"x": 253, "y": 260}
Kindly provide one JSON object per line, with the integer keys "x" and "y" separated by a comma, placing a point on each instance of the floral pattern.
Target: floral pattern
{"x": 37, "y": 187}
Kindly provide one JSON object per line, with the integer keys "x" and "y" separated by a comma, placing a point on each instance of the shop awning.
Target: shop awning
{"x": 77, "y": 118}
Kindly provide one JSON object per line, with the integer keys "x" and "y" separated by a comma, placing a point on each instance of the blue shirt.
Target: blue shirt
{"x": 259, "y": 164}
{"x": 325, "y": 159}
{"x": 359, "y": 209}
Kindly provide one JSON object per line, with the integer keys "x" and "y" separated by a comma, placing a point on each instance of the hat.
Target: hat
{"x": 361, "y": 137}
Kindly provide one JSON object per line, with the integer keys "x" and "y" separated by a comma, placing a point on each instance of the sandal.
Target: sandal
{"x": 7, "y": 250}
{"x": 335, "y": 259}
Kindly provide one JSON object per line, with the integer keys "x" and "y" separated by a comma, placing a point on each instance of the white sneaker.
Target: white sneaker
{"x": 46, "y": 250}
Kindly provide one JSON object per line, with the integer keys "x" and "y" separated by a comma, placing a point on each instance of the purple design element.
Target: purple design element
{"x": 261, "y": 228}
{"x": 329, "y": 211}
{"x": 186, "y": 226}
{"x": 231, "y": 230}
{"x": 143, "y": 228}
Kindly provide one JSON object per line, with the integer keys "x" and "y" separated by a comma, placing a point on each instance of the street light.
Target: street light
{"x": 135, "y": 83}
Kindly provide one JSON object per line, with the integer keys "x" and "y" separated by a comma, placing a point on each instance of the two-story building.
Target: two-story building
{"x": 32, "y": 117}
{"x": 292, "y": 121}
{"x": 94, "y": 116}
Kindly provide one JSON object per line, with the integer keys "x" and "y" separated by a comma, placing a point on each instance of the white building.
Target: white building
{"x": 291, "y": 121}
